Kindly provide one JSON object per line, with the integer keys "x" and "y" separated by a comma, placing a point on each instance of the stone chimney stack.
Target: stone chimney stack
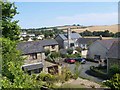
{"x": 68, "y": 33}
{"x": 69, "y": 36}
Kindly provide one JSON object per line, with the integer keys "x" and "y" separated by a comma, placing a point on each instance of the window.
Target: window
{"x": 97, "y": 57}
{"x": 53, "y": 46}
{"x": 71, "y": 44}
{"x": 33, "y": 56}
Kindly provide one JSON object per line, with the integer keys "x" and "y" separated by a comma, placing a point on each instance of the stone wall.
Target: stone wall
{"x": 29, "y": 60}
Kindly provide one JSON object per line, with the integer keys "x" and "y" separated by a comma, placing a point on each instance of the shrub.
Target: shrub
{"x": 114, "y": 69}
{"x": 55, "y": 55}
{"x": 69, "y": 51}
{"x": 41, "y": 76}
{"x": 63, "y": 55}
{"x": 78, "y": 49}
{"x": 98, "y": 73}
{"x": 75, "y": 76}
{"x": 114, "y": 82}
{"x": 47, "y": 52}
{"x": 71, "y": 56}
{"x": 76, "y": 70}
{"x": 68, "y": 75}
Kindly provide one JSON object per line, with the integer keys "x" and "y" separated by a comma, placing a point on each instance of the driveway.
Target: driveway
{"x": 84, "y": 71}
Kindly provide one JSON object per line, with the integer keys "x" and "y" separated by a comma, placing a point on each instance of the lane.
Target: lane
{"x": 84, "y": 70}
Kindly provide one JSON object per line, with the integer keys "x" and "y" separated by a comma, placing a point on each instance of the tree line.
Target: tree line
{"x": 105, "y": 33}
{"x": 47, "y": 33}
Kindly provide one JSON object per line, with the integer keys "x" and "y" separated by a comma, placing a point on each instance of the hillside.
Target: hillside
{"x": 111, "y": 28}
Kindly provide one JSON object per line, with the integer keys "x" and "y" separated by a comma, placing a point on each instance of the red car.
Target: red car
{"x": 70, "y": 60}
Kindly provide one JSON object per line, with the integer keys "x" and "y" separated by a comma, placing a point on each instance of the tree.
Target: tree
{"x": 10, "y": 29}
{"x": 12, "y": 74}
{"x": 86, "y": 33}
{"x": 117, "y": 34}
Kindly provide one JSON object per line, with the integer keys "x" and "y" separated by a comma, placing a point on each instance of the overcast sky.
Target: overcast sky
{"x": 44, "y": 14}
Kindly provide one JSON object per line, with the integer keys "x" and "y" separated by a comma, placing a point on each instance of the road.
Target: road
{"x": 84, "y": 71}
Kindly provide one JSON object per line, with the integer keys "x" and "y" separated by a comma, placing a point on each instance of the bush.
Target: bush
{"x": 69, "y": 51}
{"x": 98, "y": 73}
{"x": 68, "y": 75}
{"x": 75, "y": 76}
{"x": 114, "y": 69}
{"x": 47, "y": 52}
{"x": 63, "y": 55}
{"x": 76, "y": 70}
{"x": 114, "y": 82}
{"x": 55, "y": 55}
{"x": 41, "y": 76}
{"x": 78, "y": 49}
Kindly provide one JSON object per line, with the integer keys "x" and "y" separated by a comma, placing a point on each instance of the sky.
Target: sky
{"x": 45, "y": 14}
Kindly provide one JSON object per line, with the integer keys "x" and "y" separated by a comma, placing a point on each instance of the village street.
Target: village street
{"x": 84, "y": 70}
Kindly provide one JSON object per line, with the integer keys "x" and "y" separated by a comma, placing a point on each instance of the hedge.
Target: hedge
{"x": 98, "y": 73}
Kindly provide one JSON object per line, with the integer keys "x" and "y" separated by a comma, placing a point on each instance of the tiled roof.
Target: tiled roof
{"x": 114, "y": 51}
{"x": 72, "y": 35}
{"x": 35, "y": 46}
{"x": 86, "y": 40}
{"x": 48, "y": 42}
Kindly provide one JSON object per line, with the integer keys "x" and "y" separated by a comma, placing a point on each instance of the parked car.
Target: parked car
{"x": 70, "y": 60}
{"x": 82, "y": 60}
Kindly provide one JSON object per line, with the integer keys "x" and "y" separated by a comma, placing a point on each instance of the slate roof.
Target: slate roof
{"x": 35, "y": 46}
{"x": 48, "y": 42}
{"x": 29, "y": 47}
{"x": 107, "y": 43}
{"x": 114, "y": 51}
{"x": 86, "y": 40}
{"x": 32, "y": 66}
{"x": 72, "y": 35}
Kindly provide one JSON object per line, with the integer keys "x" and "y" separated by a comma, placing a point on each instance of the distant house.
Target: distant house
{"x": 31, "y": 35}
{"x": 23, "y": 34}
{"x": 68, "y": 40}
{"x": 83, "y": 43}
{"x": 99, "y": 49}
{"x": 34, "y": 54}
{"x": 30, "y": 39}
{"x": 50, "y": 44}
{"x": 40, "y": 37}
{"x": 113, "y": 55}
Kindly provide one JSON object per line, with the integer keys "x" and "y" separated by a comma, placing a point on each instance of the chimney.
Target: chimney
{"x": 68, "y": 36}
